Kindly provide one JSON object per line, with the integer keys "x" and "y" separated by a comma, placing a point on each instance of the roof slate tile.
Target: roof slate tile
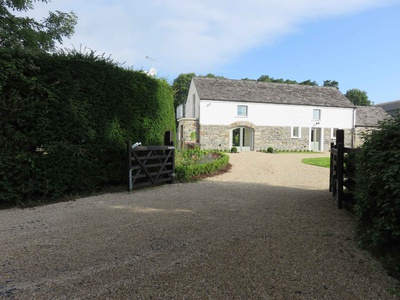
{"x": 263, "y": 92}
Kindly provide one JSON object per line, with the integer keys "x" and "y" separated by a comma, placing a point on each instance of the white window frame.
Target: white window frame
{"x": 319, "y": 114}
{"x": 333, "y": 133}
{"x": 238, "y": 111}
{"x": 194, "y": 105}
{"x": 298, "y": 136}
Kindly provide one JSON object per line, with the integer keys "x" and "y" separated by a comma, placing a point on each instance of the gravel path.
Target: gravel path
{"x": 268, "y": 229}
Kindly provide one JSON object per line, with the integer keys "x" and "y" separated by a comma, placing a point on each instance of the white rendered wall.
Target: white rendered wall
{"x": 192, "y": 96}
{"x": 261, "y": 114}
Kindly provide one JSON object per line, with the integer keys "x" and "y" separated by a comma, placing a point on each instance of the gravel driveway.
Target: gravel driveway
{"x": 268, "y": 229}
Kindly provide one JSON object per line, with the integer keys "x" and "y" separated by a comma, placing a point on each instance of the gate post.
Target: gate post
{"x": 331, "y": 166}
{"x": 340, "y": 158}
{"x": 129, "y": 145}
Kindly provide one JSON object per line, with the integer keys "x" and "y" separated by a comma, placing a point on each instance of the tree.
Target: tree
{"x": 29, "y": 34}
{"x": 358, "y": 97}
{"x": 331, "y": 83}
{"x": 181, "y": 86}
{"x": 308, "y": 82}
{"x": 210, "y": 75}
{"x": 266, "y": 78}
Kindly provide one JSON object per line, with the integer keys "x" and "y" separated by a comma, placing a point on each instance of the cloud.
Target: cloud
{"x": 191, "y": 36}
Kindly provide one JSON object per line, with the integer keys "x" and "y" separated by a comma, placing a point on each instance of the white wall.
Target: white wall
{"x": 189, "y": 102}
{"x": 261, "y": 114}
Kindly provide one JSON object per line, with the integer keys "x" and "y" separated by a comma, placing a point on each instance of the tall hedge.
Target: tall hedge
{"x": 378, "y": 187}
{"x": 65, "y": 119}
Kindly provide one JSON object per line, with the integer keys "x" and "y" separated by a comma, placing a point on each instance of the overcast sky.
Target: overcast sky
{"x": 355, "y": 42}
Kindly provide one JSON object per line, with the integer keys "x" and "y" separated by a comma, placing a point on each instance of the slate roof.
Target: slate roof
{"x": 370, "y": 116}
{"x": 263, "y": 92}
{"x": 390, "y": 107}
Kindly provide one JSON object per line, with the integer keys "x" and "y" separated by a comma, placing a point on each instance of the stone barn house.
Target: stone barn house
{"x": 251, "y": 115}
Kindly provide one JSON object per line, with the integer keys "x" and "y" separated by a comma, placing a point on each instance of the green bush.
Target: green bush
{"x": 270, "y": 150}
{"x": 377, "y": 191}
{"x": 234, "y": 150}
{"x": 64, "y": 120}
{"x": 186, "y": 172}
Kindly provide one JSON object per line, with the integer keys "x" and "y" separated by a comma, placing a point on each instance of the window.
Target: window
{"x": 333, "y": 135}
{"x": 181, "y": 133}
{"x": 242, "y": 110}
{"x": 316, "y": 114}
{"x": 194, "y": 105}
{"x": 295, "y": 132}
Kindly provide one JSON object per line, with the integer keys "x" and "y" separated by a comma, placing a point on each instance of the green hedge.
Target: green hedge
{"x": 188, "y": 172}
{"x": 377, "y": 193}
{"x": 65, "y": 119}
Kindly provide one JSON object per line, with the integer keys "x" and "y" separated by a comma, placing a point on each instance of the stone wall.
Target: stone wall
{"x": 215, "y": 137}
{"x": 279, "y": 138}
{"x": 190, "y": 131}
{"x": 359, "y": 133}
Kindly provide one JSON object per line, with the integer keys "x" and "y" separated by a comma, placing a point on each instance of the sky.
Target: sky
{"x": 355, "y": 42}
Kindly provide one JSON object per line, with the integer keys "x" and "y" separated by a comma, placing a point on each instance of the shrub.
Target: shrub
{"x": 270, "y": 150}
{"x": 377, "y": 192}
{"x": 187, "y": 171}
{"x": 234, "y": 150}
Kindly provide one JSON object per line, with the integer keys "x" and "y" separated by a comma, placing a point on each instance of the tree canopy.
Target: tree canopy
{"x": 331, "y": 83}
{"x": 358, "y": 97}
{"x": 181, "y": 86}
{"x": 266, "y": 78}
{"x": 18, "y": 32}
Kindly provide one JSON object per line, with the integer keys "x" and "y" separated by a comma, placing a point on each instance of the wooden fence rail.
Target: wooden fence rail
{"x": 150, "y": 165}
{"x": 342, "y": 171}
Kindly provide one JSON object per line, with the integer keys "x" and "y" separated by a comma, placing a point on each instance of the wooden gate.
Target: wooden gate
{"x": 150, "y": 165}
{"x": 342, "y": 171}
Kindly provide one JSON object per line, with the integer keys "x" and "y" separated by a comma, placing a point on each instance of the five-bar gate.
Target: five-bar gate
{"x": 150, "y": 165}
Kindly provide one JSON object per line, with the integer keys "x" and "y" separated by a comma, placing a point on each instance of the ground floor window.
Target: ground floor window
{"x": 333, "y": 133}
{"x": 295, "y": 132}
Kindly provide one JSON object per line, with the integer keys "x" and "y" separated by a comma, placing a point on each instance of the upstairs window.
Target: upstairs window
{"x": 242, "y": 110}
{"x": 316, "y": 114}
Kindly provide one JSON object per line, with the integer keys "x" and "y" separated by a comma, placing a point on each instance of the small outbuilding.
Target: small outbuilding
{"x": 367, "y": 119}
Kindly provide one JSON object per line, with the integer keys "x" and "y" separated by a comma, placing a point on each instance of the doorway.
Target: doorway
{"x": 316, "y": 139}
{"x": 242, "y": 139}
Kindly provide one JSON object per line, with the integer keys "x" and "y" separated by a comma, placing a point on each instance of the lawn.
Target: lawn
{"x": 317, "y": 161}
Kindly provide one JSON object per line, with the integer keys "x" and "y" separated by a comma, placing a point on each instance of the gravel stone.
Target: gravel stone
{"x": 267, "y": 229}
